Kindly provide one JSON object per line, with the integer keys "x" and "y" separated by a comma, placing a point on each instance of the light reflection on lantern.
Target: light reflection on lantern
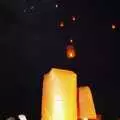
{"x": 70, "y": 52}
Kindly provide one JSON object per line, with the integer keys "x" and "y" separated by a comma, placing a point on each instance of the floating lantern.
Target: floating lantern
{"x": 73, "y": 18}
{"x": 56, "y": 5}
{"x": 61, "y": 24}
{"x": 59, "y": 95}
{"x": 113, "y": 26}
{"x": 86, "y": 105}
{"x": 70, "y": 52}
{"x": 71, "y": 41}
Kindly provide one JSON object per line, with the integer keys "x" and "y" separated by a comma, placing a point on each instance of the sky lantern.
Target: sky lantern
{"x": 73, "y": 18}
{"x": 59, "y": 95}
{"x": 71, "y": 41}
{"x": 86, "y": 104}
{"x": 113, "y": 26}
{"x": 62, "y": 24}
{"x": 70, "y": 50}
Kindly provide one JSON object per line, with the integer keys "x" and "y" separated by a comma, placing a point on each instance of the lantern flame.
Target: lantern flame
{"x": 70, "y": 52}
{"x": 61, "y": 24}
{"x": 113, "y": 26}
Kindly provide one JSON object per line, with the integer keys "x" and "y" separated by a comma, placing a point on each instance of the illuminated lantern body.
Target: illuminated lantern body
{"x": 86, "y": 104}
{"x": 61, "y": 24}
{"x": 113, "y": 26}
{"x": 59, "y": 95}
{"x": 70, "y": 52}
{"x": 73, "y": 18}
{"x": 56, "y": 6}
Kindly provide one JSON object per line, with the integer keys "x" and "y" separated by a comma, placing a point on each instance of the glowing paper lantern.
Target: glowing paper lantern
{"x": 86, "y": 104}
{"x": 70, "y": 52}
{"x": 71, "y": 41}
{"x": 56, "y": 5}
{"x": 61, "y": 24}
{"x": 73, "y": 18}
{"x": 59, "y": 95}
{"x": 113, "y": 26}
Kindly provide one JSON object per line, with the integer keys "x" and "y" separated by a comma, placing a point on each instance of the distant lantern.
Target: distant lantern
{"x": 70, "y": 52}
{"x": 32, "y": 7}
{"x": 61, "y": 24}
{"x": 71, "y": 41}
{"x": 113, "y": 26}
{"x": 22, "y": 117}
{"x": 73, "y": 18}
{"x": 56, "y": 5}
{"x": 10, "y": 118}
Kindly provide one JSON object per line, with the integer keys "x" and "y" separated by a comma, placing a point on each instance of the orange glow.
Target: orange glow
{"x": 59, "y": 95}
{"x": 61, "y": 24}
{"x": 85, "y": 118}
{"x": 70, "y": 52}
{"x": 86, "y": 104}
{"x": 99, "y": 117}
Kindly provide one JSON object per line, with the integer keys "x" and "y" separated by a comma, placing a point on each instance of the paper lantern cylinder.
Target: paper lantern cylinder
{"x": 86, "y": 104}
{"x": 59, "y": 95}
{"x": 70, "y": 52}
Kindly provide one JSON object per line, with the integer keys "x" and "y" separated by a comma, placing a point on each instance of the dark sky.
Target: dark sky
{"x": 31, "y": 43}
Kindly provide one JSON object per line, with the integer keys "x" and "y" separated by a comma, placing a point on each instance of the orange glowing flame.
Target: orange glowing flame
{"x": 70, "y": 52}
{"x": 61, "y": 24}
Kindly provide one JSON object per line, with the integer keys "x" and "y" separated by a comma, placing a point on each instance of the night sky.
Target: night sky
{"x": 31, "y": 42}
